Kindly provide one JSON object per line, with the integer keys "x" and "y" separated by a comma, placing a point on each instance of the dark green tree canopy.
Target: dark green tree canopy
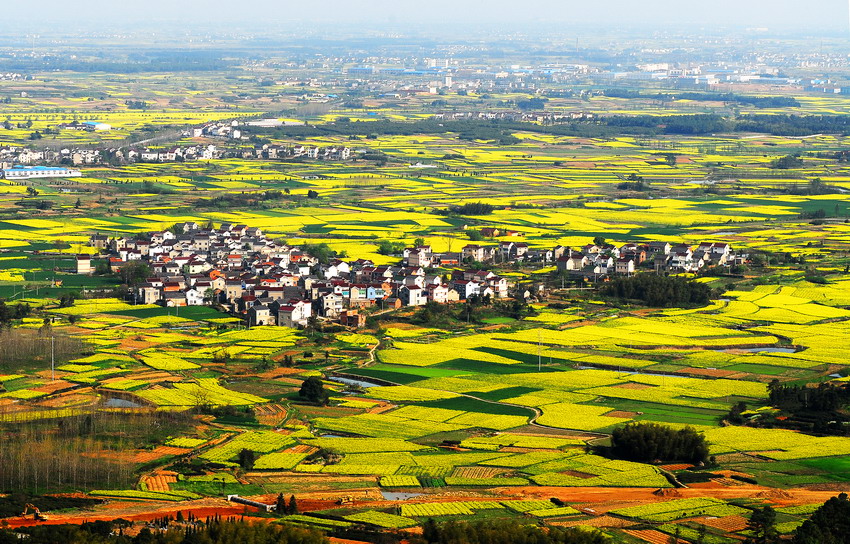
{"x": 830, "y": 524}
{"x": 313, "y": 390}
{"x": 650, "y": 442}
{"x": 503, "y": 532}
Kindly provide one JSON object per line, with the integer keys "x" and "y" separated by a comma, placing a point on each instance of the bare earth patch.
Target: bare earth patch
{"x": 631, "y": 385}
{"x": 621, "y": 413}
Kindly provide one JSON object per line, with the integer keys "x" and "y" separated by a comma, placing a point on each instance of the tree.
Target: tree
{"x": 66, "y": 300}
{"x": 787, "y": 162}
{"x": 473, "y": 208}
{"x": 658, "y": 291}
{"x": 246, "y": 459}
{"x": 701, "y": 534}
{"x": 762, "y": 526}
{"x": 280, "y": 505}
{"x": 313, "y": 325}
{"x": 674, "y": 538}
{"x": 293, "y": 506}
{"x": 388, "y": 247}
{"x": 599, "y": 241}
{"x": 313, "y": 390}
{"x": 78, "y": 204}
{"x": 830, "y": 524}
{"x": 134, "y": 272}
{"x": 322, "y": 252}
{"x": 650, "y": 442}
{"x": 419, "y": 242}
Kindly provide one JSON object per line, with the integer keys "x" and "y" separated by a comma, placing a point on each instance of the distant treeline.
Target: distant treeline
{"x": 158, "y": 61}
{"x": 503, "y": 532}
{"x": 190, "y": 530}
{"x": 819, "y": 410}
{"x": 209, "y": 532}
{"x": 600, "y": 127}
{"x": 826, "y": 397}
{"x": 757, "y": 101}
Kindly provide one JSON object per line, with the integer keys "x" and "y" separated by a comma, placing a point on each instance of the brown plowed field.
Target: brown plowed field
{"x": 593, "y": 496}
{"x": 651, "y": 536}
{"x": 478, "y": 472}
{"x": 601, "y": 521}
{"x": 683, "y": 466}
{"x": 621, "y": 413}
{"x": 139, "y": 456}
{"x": 160, "y": 481}
{"x": 270, "y": 414}
{"x": 136, "y": 511}
{"x": 729, "y": 524}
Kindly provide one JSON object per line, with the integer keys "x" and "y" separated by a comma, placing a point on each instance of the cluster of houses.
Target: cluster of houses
{"x": 515, "y": 116}
{"x": 269, "y": 283}
{"x": 266, "y": 282}
{"x": 210, "y": 151}
{"x": 604, "y": 260}
{"x": 17, "y": 155}
{"x": 10, "y": 155}
{"x": 593, "y": 260}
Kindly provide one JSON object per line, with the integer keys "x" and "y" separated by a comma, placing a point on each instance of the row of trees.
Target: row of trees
{"x": 819, "y": 410}
{"x": 826, "y": 397}
{"x": 660, "y": 291}
{"x": 79, "y": 452}
{"x": 757, "y": 101}
{"x": 31, "y": 347}
{"x": 230, "y": 531}
{"x": 830, "y": 524}
{"x": 210, "y": 532}
{"x": 11, "y": 312}
{"x": 609, "y": 126}
{"x": 503, "y": 532}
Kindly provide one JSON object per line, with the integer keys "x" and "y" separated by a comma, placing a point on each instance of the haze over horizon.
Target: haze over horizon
{"x": 829, "y": 15}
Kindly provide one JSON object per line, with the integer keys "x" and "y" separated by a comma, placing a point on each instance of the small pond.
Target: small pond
{"x": 399, "y": 496}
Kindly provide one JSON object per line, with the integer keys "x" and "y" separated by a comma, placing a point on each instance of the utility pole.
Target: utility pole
{"x": 52, "y": 357}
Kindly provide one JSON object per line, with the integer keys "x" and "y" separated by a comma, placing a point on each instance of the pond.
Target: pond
{"x": 121, "y": 403}
{"x": 351, "y": 381}
{"x": 399, "y": 496}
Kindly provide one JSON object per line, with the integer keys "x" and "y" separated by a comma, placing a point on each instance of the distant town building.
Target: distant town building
{"x": 30, "y": 172}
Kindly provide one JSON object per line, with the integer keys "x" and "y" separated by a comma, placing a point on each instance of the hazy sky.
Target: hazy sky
{"x": 807, "y": 15}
